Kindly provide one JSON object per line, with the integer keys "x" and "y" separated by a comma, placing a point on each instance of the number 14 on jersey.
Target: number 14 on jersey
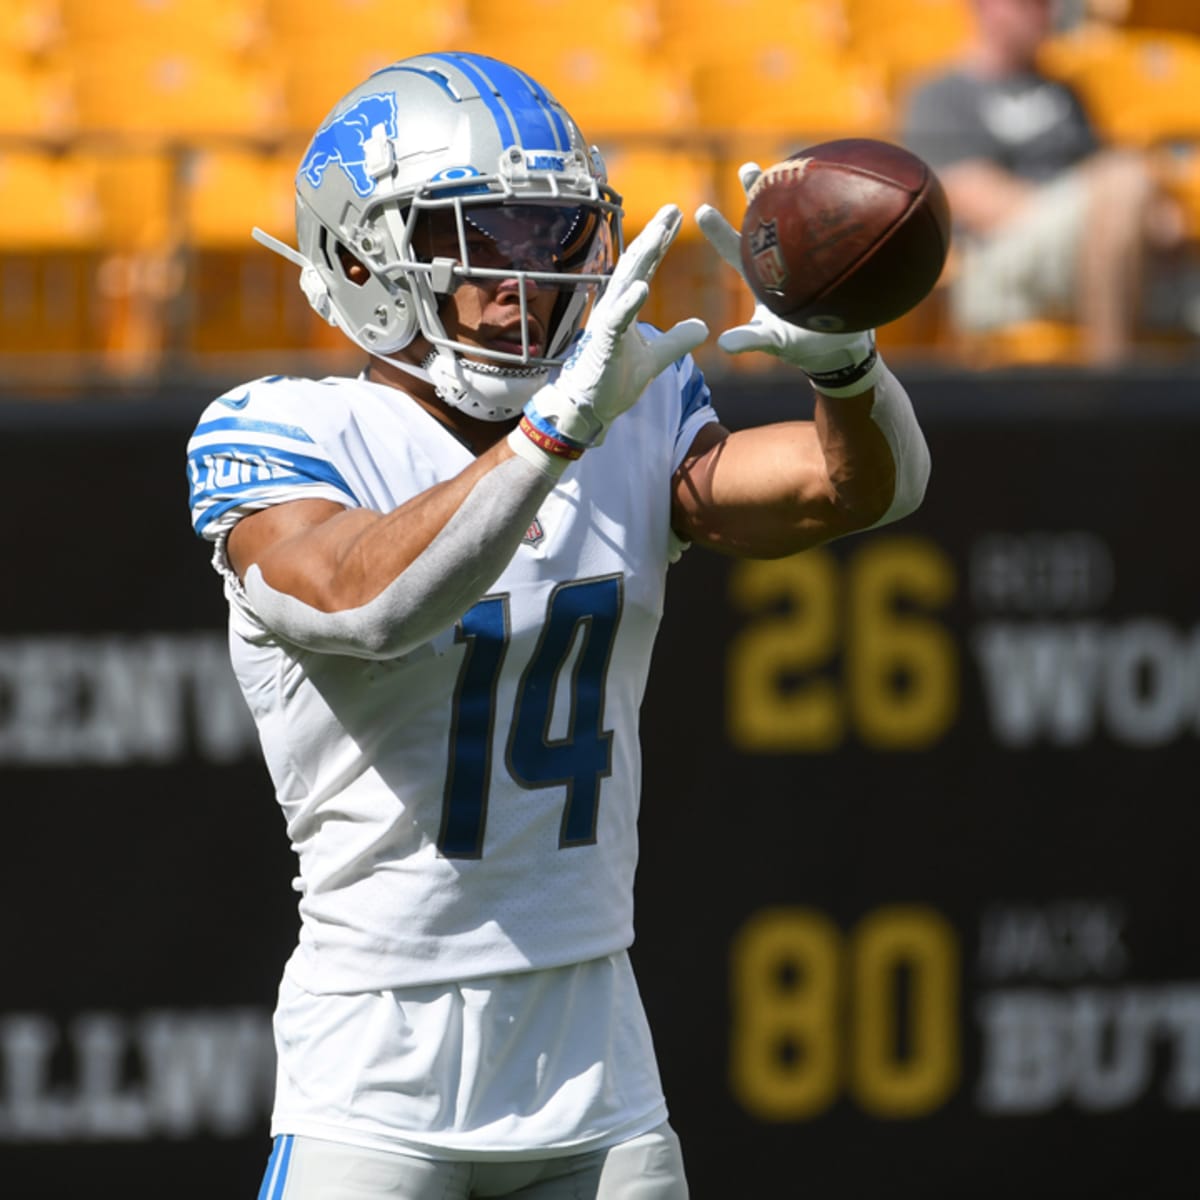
{"x": 586, "y": 611}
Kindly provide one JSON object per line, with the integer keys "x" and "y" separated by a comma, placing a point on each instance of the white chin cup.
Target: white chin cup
{"x": 489, "y": 393}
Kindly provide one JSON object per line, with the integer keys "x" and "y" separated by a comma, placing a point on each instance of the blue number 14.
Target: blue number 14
{"x": 587, "y": 612}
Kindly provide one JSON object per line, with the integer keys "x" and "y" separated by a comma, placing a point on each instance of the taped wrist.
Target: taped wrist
{"x": 850, "y": 371}
{"x": 434, "y": 590}
{"x": 893, "y": 413}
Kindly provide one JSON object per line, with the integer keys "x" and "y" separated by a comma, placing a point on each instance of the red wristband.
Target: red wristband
{"x": 557, "y": 446}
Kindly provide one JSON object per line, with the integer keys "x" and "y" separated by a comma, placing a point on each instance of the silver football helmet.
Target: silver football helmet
{"x": 443, "y": 168}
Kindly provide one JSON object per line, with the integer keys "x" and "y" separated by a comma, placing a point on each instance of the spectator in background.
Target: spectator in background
{"x": 1050, "y": 223}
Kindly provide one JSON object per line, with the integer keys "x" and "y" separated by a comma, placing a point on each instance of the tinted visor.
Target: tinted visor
{"x": 562, "y": 239}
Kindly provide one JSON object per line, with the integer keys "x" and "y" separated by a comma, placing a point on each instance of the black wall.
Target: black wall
{"x": 917, "y": 892}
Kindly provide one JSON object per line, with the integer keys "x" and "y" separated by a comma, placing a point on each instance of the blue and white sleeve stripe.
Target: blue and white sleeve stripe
{"x": 275, "y": 1176}
{"x": 244, "y": 462}
{"x": 695, "y": 407}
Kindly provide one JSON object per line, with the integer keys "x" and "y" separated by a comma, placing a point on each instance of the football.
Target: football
{"x": 846, "y": 235}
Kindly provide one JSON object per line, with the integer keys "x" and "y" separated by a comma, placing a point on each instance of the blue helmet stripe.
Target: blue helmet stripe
{"x": 555, "y": 115}
{"x": 529, "y": 103}
{"x": 524, "y": 118}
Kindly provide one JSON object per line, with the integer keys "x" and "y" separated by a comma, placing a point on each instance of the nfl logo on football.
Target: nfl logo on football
{"x": 768, "y": 258}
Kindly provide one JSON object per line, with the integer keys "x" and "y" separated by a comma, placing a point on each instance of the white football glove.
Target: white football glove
{"x": 612, "y": 362}
{"x": 839, "y": 364}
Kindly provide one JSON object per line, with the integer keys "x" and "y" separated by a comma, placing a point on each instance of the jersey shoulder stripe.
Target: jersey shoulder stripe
{"x": 248, "y": 451}
{"x": 695, "y": 392}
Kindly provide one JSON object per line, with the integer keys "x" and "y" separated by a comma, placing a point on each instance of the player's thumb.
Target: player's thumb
{"x": 722, "y": 236}
{"x": 748, "y": 175}
{"x": 679, "y": 340}
{"x": 742, "y": 339}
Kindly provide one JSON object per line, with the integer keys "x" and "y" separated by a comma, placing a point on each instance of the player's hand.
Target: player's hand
{"x": 839, "y": 364}
{"x": 612, "y": 361}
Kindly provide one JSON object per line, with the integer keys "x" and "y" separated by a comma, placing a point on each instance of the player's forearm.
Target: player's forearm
{"x": 783, "y": 488}
{"x": 877, "y": 456}
{"x": 778, "y": 489}
{"x": 427, "y": 581}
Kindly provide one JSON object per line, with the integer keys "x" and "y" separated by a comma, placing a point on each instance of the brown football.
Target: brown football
{"x": 845, "y": 235}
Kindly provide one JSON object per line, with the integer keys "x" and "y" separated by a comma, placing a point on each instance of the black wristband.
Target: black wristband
{"x": 845, "y": 376}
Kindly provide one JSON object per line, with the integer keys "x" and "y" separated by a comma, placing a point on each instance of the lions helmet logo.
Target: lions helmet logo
{"x": 769, "y": 264}
{"x": 344, "y": 141}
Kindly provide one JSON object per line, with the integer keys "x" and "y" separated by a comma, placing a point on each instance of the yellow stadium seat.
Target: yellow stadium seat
{"x": 649, "y": 176}
{"x": 35, "y": 100}
{"x": 694, "y": 33}
{"x": 328, "y": 47}
{"x": 241, "y": 297}
{"x": 226, "y": 192}
{"x": 218, "y": 26}
{"x": 48, "y": 202}
{"x": 29, "y": 29}
{"x": 1030, "y": 343}
{"x": 787, "y": 102}
{"x": 1139, "y": 87}
{"x": 398, "y": 29}
{"x": 137, "y": 191}
{"x": 905, "y": 41}
{"x": 536, "y": 31}
{"x": 1182, "y": 16}
{"x": 614, "y": 92}
{"x": 312, "y": 86}
{"x": 50, "y": 249}
{"x": 173, "y": 95}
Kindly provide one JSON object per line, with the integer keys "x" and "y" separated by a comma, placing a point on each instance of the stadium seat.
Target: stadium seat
{"x": 1140, "y": 87}
{"x": 327, "y": 48}
{"x": 35, "y": 100}
{"x": 225, "y": 192}
{"x": 649, "y": 176}
{"x": 173, "y": 95}
{"x": 613, "y": 92}
{"x": 398, "y": 29}
{"x": 29, "y": 29}
{"x": 240, "y": 296}
{"x": 51, "y": 245}
{"x": 48, "y": 202}
{"x": 904, "y": 42}
{"x": 1181, "y": 16}
{"x": 1031, "y": 343}
{"x": 218, "y": 26}
{"x": 537, "y": 31}
{"x": 789, "y": 100}
{"x": 311, "y": 91}
{"x": 695, "y": 33}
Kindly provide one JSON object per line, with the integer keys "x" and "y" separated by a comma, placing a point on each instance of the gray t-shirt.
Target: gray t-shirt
{"x": 1033, "y": 126}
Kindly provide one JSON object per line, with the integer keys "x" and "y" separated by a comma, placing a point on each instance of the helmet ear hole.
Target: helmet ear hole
{"x": 353, "y": 269}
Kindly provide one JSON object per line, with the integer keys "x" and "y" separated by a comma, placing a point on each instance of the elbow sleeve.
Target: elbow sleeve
{"x": 893, "y": 414}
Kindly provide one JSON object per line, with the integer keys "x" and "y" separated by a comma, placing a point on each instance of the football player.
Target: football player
{"x": 444, "y": 580}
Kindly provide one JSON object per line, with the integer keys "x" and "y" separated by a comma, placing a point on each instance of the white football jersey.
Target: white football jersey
{"x": 470, "y": 808}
